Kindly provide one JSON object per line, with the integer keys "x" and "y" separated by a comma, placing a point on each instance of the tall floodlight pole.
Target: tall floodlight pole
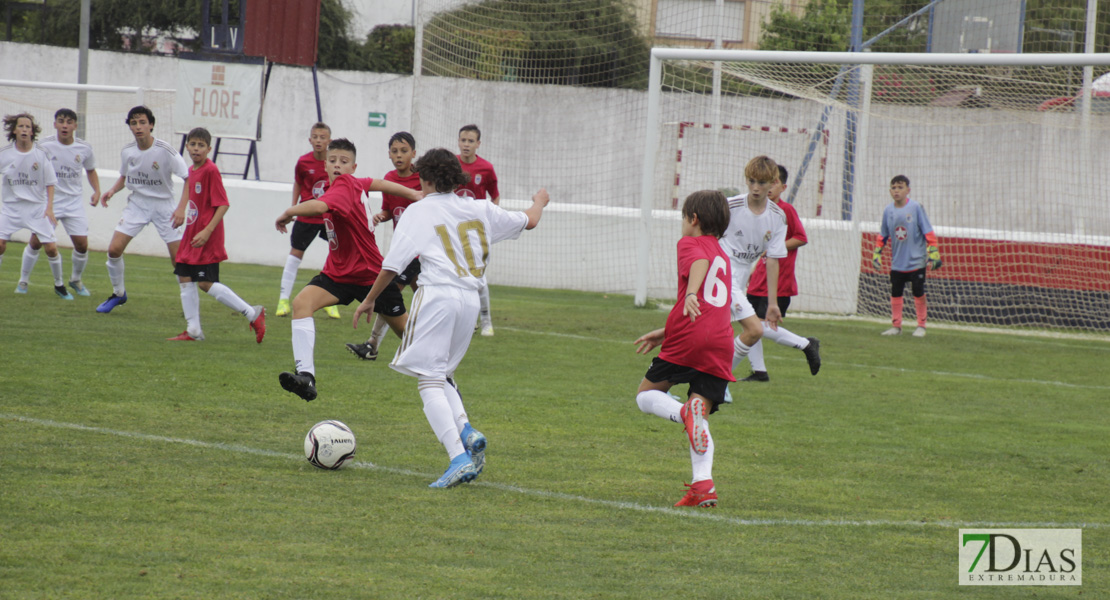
{"x": 83, "y": 66}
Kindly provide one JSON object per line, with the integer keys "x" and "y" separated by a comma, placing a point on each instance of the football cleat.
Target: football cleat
{"x": 79, "y": 288}
{"x": 693, "y": 419}
{"x": 112, "y": 302}
{"x": 893, "y": 331}
{"x": 475, "y": 444}
{"x": 259, "y": 323}
{"x": 21, "y": 287}
{"x": 757, "y": 376}
{"x": 813, "y": 355}
{"x": 487, "y": 330}
{"x": 62, "y": 292}
{"x": 461, "y": 470}
{"x": 919, "y": 332}
{"x": 301, "y": 384}
{"x": 184, "y": 336}
{"x": 728, "y": 396}
{"x": 701, "y": 493}
{"x": 332, "y": 311}
{"x": 283, "y": 307}
{"x": 365, "y": 351}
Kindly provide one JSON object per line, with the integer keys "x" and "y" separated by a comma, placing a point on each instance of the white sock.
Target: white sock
{"x": 483, "y": 296}
{"x": 438, "y": 412}
{"x": 739, "y": 351}
{"x": 1, "y": 259}
{"x": 703, "y": 463}
{"x": 377, "y": 332}
{"x": 454, "y": 399}
{"x": 755, "y": 356}
{"x": 115, "y": 275}
{"x": 231, "y": 300}
{"x": 79, "y": 261}
{"x": 783, "y": 337}
{"x": 304, "y": 339}
{"x": 30, "y": 257}
{"x": 190, "y": 305}
{"x": 289, "y": 276}
{"x": 56, "y": 268}
{"x": 658, "y": 403}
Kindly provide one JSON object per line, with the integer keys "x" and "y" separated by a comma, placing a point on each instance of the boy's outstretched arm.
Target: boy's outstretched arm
{"x": 310, "y": 208}
{"x": 649, "y": 340}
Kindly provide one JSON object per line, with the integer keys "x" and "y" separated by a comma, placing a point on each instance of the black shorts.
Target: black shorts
{"x": 210, "y": 273}
{"x": 304, "y": 233}
{"x": 899, "y": 279}
{"x": 409, "y": 275}
{"x": 707, "y": 386}
{"x": 390, "y": 303}
{"x": 759, "y": 303}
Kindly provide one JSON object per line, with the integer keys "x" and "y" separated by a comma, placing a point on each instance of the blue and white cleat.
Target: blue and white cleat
{"x": 475, "y": 444}
{"x": 112, "y": 302}
{"x": 62, "y": 292}
{"x": 79, "y": 288}
{"x": 21, "y": 287}
{"x": 461, "y": 470}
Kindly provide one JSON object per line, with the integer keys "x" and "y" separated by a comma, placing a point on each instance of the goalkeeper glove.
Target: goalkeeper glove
{"x": 877, "y": 257}
{"x": 934, "y": 257}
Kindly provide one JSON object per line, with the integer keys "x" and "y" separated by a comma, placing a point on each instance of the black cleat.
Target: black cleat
{"x": 365, "y": 351}
{"x": 301, "y": 384}
{"x": 813, "y": 355}
{"x": 757, "y": 376}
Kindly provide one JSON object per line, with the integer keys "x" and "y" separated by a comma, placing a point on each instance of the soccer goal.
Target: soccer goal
{"x": 102, "y": 111}
{"x": 1014, "y": 185}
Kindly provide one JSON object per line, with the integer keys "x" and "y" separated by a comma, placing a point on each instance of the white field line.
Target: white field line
{"x": 977, "y": 376}
{"x": 669, "y": 511}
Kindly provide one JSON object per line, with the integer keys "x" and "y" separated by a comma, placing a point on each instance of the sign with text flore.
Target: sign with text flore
{"x": 225, "y": 99}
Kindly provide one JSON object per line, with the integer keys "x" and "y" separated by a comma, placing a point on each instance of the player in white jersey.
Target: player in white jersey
{"x": 452, "y": 236}
{"x": 756, "y": 227}
{"x": 27, "y": 181}
{"x": 146, "y": 166}
{"x": 70, "y": 156}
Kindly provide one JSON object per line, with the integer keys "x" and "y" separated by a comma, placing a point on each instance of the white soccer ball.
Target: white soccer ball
{"x": 329, "y": 445}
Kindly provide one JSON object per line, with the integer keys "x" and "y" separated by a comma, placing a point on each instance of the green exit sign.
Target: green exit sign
{"x": 376, "y": 119}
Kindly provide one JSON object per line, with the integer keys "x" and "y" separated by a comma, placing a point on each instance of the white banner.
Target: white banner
{"x": 225, "y": 99}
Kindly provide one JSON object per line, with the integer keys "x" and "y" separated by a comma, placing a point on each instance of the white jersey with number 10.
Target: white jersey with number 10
{"x": 452, "y": 236}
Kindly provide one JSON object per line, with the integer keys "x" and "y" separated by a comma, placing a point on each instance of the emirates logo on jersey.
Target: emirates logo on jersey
{"x": 333, "y": 241}
{"x": 318, "y": 189}
{"x": 900, "y": 233}
{"x": 191, "y": 212}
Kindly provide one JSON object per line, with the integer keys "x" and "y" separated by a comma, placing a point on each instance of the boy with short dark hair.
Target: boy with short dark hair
{"x": 69, "y": 155}
{"x": 202, "y": 208}
{"x": 27, "y": 181}
{"x": 310, "y": 181}
{"x": 913, "y": 246}
{"x": 697, "y": 339}
{"x": 482, "y": 182}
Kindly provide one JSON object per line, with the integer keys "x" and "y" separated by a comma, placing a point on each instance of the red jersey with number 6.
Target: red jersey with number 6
{"x": 206, "y": 192}
{"x": 705, "y": 344}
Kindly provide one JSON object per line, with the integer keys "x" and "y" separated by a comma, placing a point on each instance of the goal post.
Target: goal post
{"x": 1000, "y": 149}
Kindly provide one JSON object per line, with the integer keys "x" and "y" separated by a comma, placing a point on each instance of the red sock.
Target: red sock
{"x": 919, "y": 304}
{"x": 896, "y": 311}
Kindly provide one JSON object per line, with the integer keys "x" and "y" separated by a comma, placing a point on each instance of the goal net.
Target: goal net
{"x": 102, "y": 111}
{"x": 1004, "y": 152}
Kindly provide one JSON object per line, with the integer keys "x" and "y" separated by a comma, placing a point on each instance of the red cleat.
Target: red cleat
{"x": 693, "y": 419}
{"x": 700, "y": 493}
{"x": 259, "y": 324}
{"x": 185, "y": 337}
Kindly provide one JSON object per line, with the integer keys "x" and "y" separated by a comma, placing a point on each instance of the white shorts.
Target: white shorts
{"x": 26, "y": 215}
{"x": 741, "y": 308}
{"x": 70, "y": 213}
{"x": 438, "y": 332}
{"x": 141, "y": 212}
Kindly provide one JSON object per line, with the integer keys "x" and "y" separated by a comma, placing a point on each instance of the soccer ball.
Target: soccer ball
{"x": 329, "y": 445}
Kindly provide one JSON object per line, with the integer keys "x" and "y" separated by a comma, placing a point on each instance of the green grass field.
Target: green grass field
{"x": 132, "y": 467}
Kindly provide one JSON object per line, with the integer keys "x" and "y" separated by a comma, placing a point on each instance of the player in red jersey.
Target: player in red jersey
{"x": 310, "y": 179}
{"x": 402, "y": 150}
{"x": 483, "y": 183}
{"x": 197, "y": 263}
{"x": 788, "y": 288}
{"x": 697, "y": 339}
{"x": 352, "y": 265}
